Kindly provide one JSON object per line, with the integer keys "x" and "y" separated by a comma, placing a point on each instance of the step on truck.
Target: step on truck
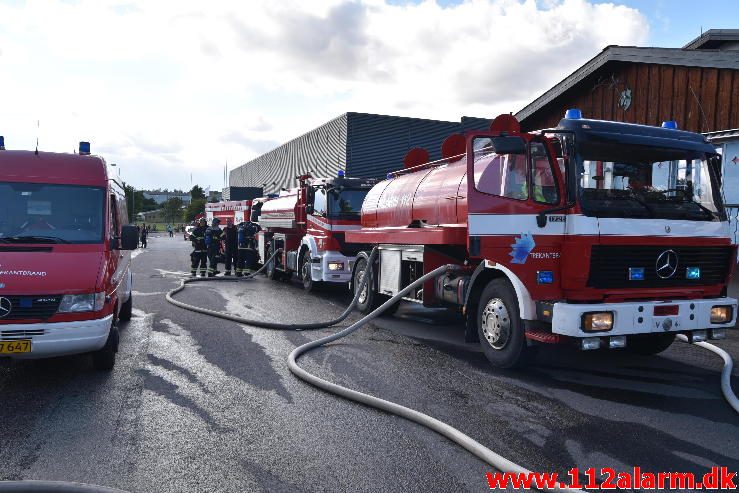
{"x": 596, "y": 233}
{"x": 65, "y": 276}
{"x": 308, "y": 224}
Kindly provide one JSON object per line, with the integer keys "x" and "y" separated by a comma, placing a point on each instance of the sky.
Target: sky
{"x": 174, "y": 91}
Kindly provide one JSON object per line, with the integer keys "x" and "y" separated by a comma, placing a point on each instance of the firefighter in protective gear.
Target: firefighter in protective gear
{"x": 213, "y": 237}
{"x": 247, "y": 247}
{"x": 230, "y": 234}
{"x": 199, "y": 253}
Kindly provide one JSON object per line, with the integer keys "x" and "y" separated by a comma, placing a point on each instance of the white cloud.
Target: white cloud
{"x": 167, "y": 89}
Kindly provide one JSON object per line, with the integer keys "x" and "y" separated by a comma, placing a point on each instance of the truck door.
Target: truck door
{"x": 510, "y": 181}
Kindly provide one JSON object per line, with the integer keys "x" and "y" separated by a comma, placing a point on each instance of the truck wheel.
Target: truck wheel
{"x": 272, "y": 272}
{"x": 305, "y": 273}
{"x": 382, "y": 298}
{"x": 104, "y": 358}
{"x": 126, "y": 309}
{"x": 649, "y": 343}
{"x": 500, "y": 327}
{"x": 368, "y": 299}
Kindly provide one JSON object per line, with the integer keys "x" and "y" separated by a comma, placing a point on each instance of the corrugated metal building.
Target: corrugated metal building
{"x": 364, "y": 145}
{"x": 697, "y": 85}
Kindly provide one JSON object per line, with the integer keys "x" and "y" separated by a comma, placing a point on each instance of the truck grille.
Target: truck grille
{"x": 609, "y": 266}
{"x": 31, "y": 307}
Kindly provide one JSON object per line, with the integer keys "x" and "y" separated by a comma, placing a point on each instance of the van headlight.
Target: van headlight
{"x": 82, "y": 302}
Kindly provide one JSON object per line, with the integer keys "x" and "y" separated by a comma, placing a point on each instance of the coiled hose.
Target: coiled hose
{"x": 476, "y": 448}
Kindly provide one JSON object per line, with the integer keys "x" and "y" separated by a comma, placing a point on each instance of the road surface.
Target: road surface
{"x": 203, "y": 404}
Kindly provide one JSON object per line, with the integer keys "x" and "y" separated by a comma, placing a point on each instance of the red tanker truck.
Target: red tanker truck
{"x": 308, "y": 223}
{"x": 597, "y": 233}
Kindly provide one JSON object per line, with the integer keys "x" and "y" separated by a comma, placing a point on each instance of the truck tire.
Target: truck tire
{"x": 382, "y": 298}
{"x": 305, "y": 273}
{"x": 369, "y": 299}
{"x": 500, "y": 327}
{"x": 126, "y": 309}
{"x": 272, "y": 272}
{"x": 104, "y": 358}
{"x": 649, "y": 343}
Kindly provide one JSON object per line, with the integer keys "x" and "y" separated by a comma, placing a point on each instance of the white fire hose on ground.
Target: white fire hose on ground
{"x": 477, "y": 449}
{"x": 725, "y": 372}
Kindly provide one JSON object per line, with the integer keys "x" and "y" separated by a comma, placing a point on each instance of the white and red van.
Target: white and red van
{"x": 65, "y": 277}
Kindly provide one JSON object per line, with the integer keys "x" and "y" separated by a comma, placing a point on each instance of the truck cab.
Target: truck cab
{"x": 65, "y": 278}
{"x": 309, "y": 223}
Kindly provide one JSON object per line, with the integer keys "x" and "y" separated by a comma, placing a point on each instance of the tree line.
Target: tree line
{"x": 172, "y": 209}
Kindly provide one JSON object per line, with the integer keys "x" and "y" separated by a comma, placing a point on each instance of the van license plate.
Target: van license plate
{"x": 12, "y": 347}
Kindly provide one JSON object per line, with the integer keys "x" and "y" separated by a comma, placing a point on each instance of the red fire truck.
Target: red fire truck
{"x": 598, "y": 233}
{"x": 237, "y": 210}
{"x": 308, "y": 223}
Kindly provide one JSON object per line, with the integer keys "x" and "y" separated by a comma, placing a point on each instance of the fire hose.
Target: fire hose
{"x": 476, "y": 448}
{"x": 456, "y": 436}
{"x": 725, "y": 372}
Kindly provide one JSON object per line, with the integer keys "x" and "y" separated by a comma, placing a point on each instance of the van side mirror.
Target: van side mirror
{"x": 129, "y": 237}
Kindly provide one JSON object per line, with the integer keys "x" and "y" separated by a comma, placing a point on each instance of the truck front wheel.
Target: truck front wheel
{"x": 305, "y": 273}
{"x": 500, "y": 327}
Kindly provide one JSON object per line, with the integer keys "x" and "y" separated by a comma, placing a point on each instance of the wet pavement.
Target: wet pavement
{"x": 203, "y": 404}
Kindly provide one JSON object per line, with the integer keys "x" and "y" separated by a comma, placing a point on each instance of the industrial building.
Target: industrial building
{"x": 362, "y": 144}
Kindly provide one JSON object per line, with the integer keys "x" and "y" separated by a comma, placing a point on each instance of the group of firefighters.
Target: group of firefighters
{"x": 235, "y": 244}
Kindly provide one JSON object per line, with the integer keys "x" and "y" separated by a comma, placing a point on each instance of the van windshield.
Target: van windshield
{"x": 46, "y": 213}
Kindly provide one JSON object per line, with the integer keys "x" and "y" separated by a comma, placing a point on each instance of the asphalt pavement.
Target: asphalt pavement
{"x": 202, "y": 404}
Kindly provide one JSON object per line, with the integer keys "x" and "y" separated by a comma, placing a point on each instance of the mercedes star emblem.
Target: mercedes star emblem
{"x": 667, "y": 264}
{"x": 5, "y": 307}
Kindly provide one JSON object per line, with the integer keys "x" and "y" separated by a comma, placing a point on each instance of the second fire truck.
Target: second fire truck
{"x": 309, "y": 223}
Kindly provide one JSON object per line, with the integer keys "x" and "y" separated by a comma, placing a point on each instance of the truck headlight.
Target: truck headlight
{"x": 597, "y": 321}
{"x": 336, "y": 266}
{"x": 722, "y": 314}
{"x": 82, "y": 302}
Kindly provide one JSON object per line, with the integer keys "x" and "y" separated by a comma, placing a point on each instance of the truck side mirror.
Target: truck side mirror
{"x": 129, "y": 237}
{"x": 309, "y": 209}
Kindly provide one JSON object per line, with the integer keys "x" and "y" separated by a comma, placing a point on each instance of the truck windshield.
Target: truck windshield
{"x": 641, "y": 181}
{"x": 45, "y": 213}
{"x": 345, "y": 202}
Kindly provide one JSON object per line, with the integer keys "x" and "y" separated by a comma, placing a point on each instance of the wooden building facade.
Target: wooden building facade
{"x": 697, "y": 85}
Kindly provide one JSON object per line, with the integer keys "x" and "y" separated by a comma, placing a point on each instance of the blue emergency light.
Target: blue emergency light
{"x": 389, "y": 176}
{"x": 636, "y": 273}
{"x": 84, "y": 148}
{"x": 671, "y": 124}
{"x": 573, "y": 114}
{"x": 341, "y": 173}
{"x": 693, "y": 273}
{"x": 2, "y": 143}
{"x": 545, "y": 277}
